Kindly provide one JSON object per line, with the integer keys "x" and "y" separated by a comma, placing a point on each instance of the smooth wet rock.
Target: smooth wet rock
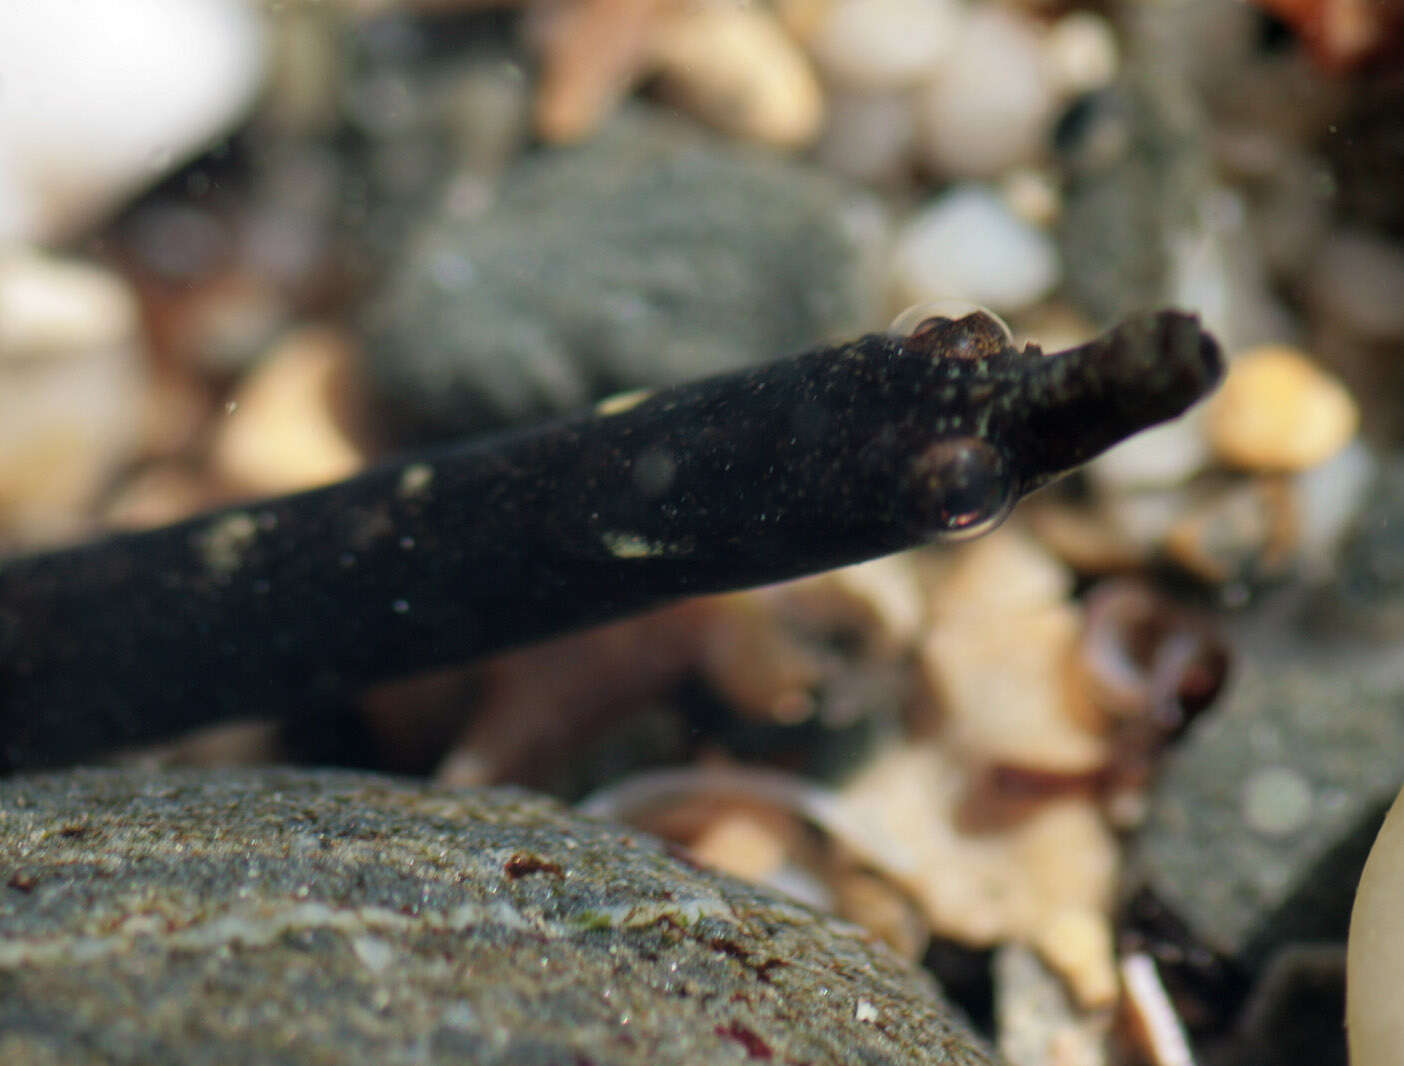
{"x": 650, "y": 255}
{"x": 287, "y": 916}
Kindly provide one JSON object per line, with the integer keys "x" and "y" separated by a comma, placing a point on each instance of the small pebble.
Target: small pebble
{"x": 286, "y": 424}
{"x": 968, "y": 245}
{"x": 1007, "y": 695}
{"x": 1082, "y": 52}
{"x": 744, "y": 844}
{"x": 990, "y": 105}
{"x": 1277, "y": 411}
{"x": 72, "y": 391}
{"x": 997, "y": 659}
{"x": 100, "y": 100}
{"x": 868, "y": 136}
{"x": 1005, "y": 573}
{"x": 884, "y": 44}
{"x": 1033, "y": 196}
{"x": 1078, "y": 942}
{"x": 737, "y": 69}
{"x": 986, "y": 887}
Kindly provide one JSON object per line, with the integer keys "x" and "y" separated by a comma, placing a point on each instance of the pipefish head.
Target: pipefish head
{"x": 1009, "y": 421}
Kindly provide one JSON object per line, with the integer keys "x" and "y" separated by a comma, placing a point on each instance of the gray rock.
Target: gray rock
{"x": 1260, "y": 823}
{"x": 1368, "y": 595}
{"x": 650, "y": 255}
{"x": 298, "y": 917}
{"x": 1133, "y": 180}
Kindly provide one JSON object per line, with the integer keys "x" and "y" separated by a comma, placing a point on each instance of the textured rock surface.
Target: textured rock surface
{"x": 284, "y": 916}
{"x": 648, "y": 256}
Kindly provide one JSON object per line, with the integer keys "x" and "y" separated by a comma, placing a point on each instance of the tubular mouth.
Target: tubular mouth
{"x": 1077, "y": 403}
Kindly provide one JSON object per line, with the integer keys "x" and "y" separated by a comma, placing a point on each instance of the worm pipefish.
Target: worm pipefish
{"x": 823, "y": 459}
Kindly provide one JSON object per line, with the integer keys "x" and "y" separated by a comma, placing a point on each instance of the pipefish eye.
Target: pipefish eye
{"x": 962, "y": 487}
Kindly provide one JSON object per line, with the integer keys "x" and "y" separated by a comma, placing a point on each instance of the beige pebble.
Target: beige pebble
{"x": 1004, "y": 573}
{"x": 744, "y": 843}
{"x": 991, "y": 103}
{"x": 884, "y": 44}
{"x": 593, "y": 53}
{"x": 72, "y": 392}
{"x": 1082, "y": 52}
{"x": 980, "y": 888}
{"x": 738, "y": 70}
{"x": 996, "y": 661}
{"x": 1278, "y": 411}
{"x": 285, "y": 427}
{"x": 1078, "y": 943}
{"x": 802, "y": 18}
{"x": 1007, "y": 693}
{"x": 1033, "y": 196}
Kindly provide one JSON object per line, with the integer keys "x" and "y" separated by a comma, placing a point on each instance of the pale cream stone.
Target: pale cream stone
{"x": 1077, "y": 942}
{"x": 743, "y": 844}
{"x": 981, "y": 888}
{"x": 885, "y": 44}
{"x": 738, "y": 70}
{"x": 1005, "y": 573}
{"x": 1008, "y": 695}
{"x": 1278, "y": 411}
{"x": 1082, "y": 51}
{"x": 72, "y": 387}
{"x": 283, "y": 428}
{"x": 992, "y": 103}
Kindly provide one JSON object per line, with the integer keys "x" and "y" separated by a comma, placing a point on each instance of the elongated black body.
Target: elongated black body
{"x": 823, "y": 459}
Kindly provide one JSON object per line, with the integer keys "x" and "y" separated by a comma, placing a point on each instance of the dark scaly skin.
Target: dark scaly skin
{"x": 827, "y": 458}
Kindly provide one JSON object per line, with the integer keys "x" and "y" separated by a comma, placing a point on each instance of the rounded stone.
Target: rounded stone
{"x": 990, "y": 105}
{"x": 291, "y": 916}
{"x": 1278, "y": 411}
{"x": 884, "y": 44}
{"x": 968, "y": 244}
